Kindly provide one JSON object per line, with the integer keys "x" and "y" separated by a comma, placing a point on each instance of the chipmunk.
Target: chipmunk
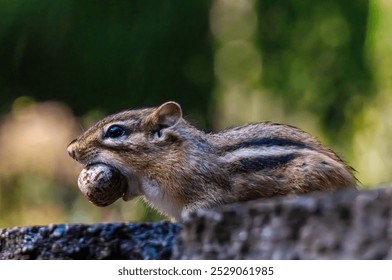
{"x": 157, "y": 154}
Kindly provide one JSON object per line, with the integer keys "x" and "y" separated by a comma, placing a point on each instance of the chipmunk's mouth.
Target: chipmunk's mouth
{"x": 103, "y": 184}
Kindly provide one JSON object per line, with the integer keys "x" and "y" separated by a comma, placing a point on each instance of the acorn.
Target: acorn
{"x": 102, "y": 184}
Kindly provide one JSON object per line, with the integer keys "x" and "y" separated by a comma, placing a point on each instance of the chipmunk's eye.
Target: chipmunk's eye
{"x": 115, "y": 131}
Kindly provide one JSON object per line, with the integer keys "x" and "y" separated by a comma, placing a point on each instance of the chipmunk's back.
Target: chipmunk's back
{"x": 274, "y": 159}
{"x": 266, "y": 135}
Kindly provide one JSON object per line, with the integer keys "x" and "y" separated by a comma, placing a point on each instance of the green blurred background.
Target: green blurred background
{"x": 325, "y": 67}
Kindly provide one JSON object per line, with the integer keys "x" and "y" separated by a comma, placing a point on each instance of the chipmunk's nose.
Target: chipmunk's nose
{"x": 71, "y": 149}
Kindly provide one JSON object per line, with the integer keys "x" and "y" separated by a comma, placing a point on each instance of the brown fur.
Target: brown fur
{"x": 179, "y": 167}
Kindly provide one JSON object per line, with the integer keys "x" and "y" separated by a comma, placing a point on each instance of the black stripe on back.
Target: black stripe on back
{"x": 268, "y": 142}
{"x": 256, "y": 164}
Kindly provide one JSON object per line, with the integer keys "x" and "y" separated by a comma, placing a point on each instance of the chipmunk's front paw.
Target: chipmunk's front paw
{"x": 102, "y": 184}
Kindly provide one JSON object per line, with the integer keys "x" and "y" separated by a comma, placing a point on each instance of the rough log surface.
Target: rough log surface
{"x": 99, "y": 241}
{"x": 340, "y": 225}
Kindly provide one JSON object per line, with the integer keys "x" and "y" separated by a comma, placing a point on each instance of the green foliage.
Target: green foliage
{"x": 313, "y": 57}
{"x": 106, "y": 55}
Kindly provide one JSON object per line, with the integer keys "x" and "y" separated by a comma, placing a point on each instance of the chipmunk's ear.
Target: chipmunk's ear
{"x": 168, "y": 114}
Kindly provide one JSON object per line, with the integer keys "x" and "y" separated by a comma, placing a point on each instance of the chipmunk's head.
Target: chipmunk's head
{"x": 127, "y": 142}
{"x": 131, "y": 130}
